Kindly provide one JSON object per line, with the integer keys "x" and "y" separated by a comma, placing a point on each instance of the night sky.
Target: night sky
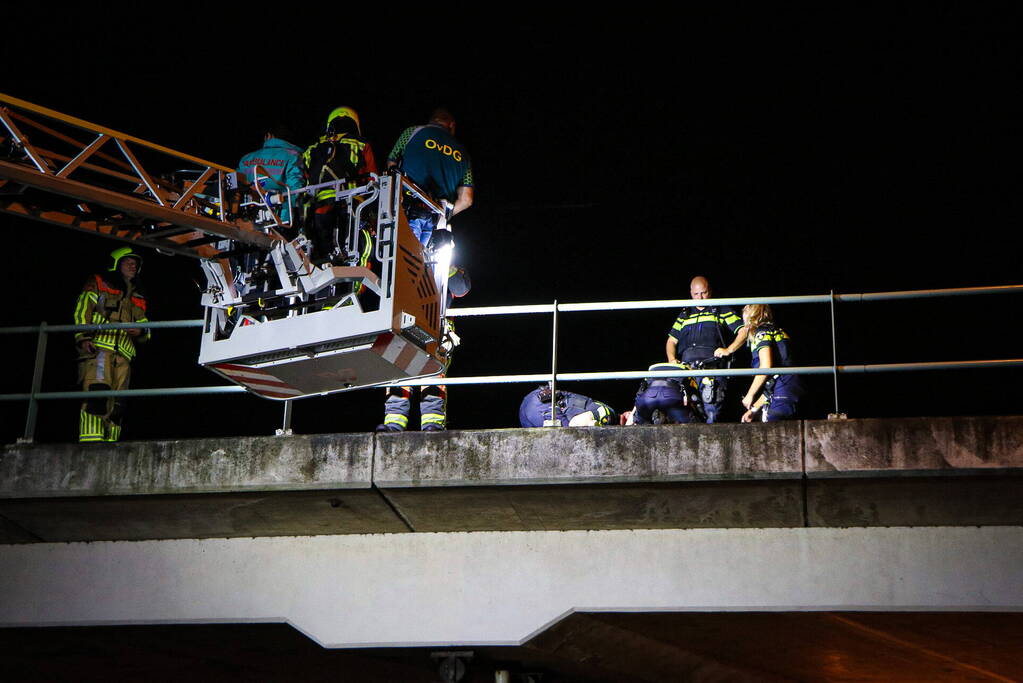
{"x": 615, "y": 157}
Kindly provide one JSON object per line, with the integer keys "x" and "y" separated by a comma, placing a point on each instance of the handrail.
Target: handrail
{"x": 730, "y": 372}
{"x": 470, "y": 311}
{"x": 166, "y": 391}
{"x": 563, "y": 377}
{"x": 554, "y": 376}
{"x": 96, "y": 327}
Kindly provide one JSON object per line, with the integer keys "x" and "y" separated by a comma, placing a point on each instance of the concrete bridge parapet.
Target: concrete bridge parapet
{"x": 918, "y": 471}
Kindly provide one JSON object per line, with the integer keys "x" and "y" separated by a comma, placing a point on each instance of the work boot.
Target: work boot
{"x": 432, "y": 427}
{"x": 389, "y": 428}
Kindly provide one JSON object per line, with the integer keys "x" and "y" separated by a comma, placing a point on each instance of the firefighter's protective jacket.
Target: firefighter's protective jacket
{"x": 106, "y": 300}
{"x": 347, "y": 158}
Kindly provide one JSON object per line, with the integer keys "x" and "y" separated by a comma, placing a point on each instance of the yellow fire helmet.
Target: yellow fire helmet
{"x": 334, "y": 125}
{"x": 122, "y": 252}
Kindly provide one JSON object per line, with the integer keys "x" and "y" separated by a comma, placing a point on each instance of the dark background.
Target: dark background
{"x": 778, "y": 152}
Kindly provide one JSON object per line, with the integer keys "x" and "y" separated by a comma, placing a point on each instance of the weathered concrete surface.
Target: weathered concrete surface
{"x": 679, "y": 505}
{"x": 965, "y": 471}
{"x": 270, "y": 513}
{"x": 845, "y": 447}
{"x": 588, "y": 455}
{"x": 10, "y": 532}
{"x": 608, "y": 478}
{"x": 197, "y": 488}
{"x": 914, "y": 471}
{"x": 187, "y": 466}
{"x": 915, "y": 501}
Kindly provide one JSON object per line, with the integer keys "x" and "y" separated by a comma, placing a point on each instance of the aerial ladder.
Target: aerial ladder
{"x": 274, "y": 323}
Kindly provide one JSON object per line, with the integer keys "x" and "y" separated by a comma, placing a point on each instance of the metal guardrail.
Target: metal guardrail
{"x": 554, "y": 309}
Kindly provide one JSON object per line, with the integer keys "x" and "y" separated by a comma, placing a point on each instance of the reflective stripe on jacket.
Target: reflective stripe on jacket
{"x": 101, "y": 302}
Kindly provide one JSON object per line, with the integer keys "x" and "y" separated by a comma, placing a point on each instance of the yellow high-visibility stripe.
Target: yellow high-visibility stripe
{"x": 699, "y": 319}
{"x": 367, "y": 250}
{"x": 90, "y": 427}
{"x": 83, "y": 302}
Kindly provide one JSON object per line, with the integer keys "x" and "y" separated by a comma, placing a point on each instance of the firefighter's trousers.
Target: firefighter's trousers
{"x": 100, "y": 418}
{"x": 432, "y": 408}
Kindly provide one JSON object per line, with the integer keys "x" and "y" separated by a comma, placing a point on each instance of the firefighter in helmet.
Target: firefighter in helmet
{"x": 341, "y": 154}
{"x": 104, "y": 356}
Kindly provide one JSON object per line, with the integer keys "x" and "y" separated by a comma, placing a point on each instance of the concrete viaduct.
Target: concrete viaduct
{"x": 491, "y": 539}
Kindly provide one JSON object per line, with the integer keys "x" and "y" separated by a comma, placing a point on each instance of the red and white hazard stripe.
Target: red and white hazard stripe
{"x": 405, "y": 355}
{"x": 259, "y": 381}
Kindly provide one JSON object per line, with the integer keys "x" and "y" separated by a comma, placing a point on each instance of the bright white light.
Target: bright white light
{"x": 443, "y": 257}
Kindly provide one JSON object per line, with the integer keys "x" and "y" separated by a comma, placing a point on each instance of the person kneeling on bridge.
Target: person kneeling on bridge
{"x": 540, "y": 409}
{"x": 664, "y": 395}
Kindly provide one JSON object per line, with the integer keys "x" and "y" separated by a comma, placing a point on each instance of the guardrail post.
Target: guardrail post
{"x": 37, "y": 384}
{"x": 834, "y": 361}
{"x": 554, "y": 365}
{"x": 285, "y": 429}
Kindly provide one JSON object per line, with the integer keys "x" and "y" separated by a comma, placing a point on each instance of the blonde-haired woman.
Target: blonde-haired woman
{"x": 776, "y": 397}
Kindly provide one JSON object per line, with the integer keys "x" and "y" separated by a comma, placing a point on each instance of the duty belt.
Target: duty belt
{"x": 415, "y": 207}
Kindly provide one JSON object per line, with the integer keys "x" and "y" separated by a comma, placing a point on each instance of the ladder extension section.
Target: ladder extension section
{"x": 62, "y": 170}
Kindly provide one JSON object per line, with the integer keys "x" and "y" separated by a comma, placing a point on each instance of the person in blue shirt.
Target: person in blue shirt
{"x": 775, "y": 397}
{"x": 433, "y": 159}
{"x": 282, "y": 162}
{"x": 569, "y": 410}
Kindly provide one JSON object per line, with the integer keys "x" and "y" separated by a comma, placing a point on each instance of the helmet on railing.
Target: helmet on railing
{"x": 124, "y": 252}
{"x": 343, "y": 121}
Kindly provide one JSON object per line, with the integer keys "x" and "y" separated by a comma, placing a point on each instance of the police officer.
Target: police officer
{"x": 778, "y": 394}
{"x": 699, "y": 334}
{"x": 436, "y": 161}
{"x": 540, "y": 409}
{"x": 104, "y": 356}
{"x": 664, "y": 394}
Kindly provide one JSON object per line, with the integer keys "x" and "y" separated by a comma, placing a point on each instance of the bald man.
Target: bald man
{"x": 437, "y": 162}
{"x": 700, "y": 334}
